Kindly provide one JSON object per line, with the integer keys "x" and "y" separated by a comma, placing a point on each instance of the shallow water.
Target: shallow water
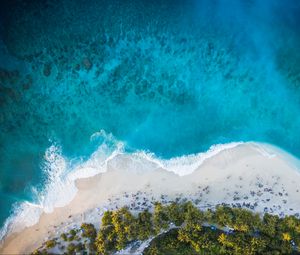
{"x": 168, "y": 77}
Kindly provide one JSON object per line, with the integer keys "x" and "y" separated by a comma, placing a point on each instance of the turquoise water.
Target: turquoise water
{"x": 169, "y": 77}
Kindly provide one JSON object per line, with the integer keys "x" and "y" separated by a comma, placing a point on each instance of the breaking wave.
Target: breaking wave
{"x": 60, "y": 186}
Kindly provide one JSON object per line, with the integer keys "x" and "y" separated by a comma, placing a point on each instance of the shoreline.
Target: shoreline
{"x": 260, "y": 177}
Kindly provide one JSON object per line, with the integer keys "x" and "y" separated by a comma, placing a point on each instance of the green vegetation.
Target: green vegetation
{"x": 144, "y": 228}
{"x": 71, "y": 248}
{"x": 50, "y": 244}
{"x": 72, "y": 235}
{"x": 167, "y": 243}
{"x": 64, "y": 237}
{"x": 89, "y": 231}
{"x": 184, "y": 229}
{"x": 229, "y": 231}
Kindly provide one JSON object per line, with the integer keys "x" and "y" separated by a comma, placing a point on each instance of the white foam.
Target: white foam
{"x": 57, "y": 192}
{"x": 24, "y": 215}
{"x": 185, "y": 165}
{"x": 271, "y": 151}
{"x": 60, "y": 187}
{"x": 263, "y": 150}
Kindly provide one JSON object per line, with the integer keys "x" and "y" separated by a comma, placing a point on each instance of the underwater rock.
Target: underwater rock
{"x": 77, "y": 67}
{"x": 87, "y": 63}
{"x": 27, "y": 83}
{"x": 26, "y": 86}
{"x": 47, "y": 70}
{"x": 11, "y": 77}
{"x": 110, "y": 41}
{"x": 10, "y": 93}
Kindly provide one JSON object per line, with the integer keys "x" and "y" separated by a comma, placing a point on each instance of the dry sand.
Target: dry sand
{"x": 255, "y": 176}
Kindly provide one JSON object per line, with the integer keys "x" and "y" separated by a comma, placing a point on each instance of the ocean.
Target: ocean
{"x": 175, "y": 80}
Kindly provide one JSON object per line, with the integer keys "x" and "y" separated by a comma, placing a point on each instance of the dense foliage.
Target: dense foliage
{"x": 228, "y": 231}
{"x": 184, "y": 229}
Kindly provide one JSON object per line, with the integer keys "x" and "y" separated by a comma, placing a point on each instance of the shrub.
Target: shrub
{"x": 71, "y": 249}
{"x": 50, "y": 244}
{"x": 107, "y": 218}
{"x": 64, "y": 237}
{"x": 89, "y": 231}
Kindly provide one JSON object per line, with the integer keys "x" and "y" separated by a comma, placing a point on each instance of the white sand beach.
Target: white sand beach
{"x": 256, "y": 176}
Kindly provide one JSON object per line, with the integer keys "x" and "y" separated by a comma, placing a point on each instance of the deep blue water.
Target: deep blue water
{"x": 168, "y": 76}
